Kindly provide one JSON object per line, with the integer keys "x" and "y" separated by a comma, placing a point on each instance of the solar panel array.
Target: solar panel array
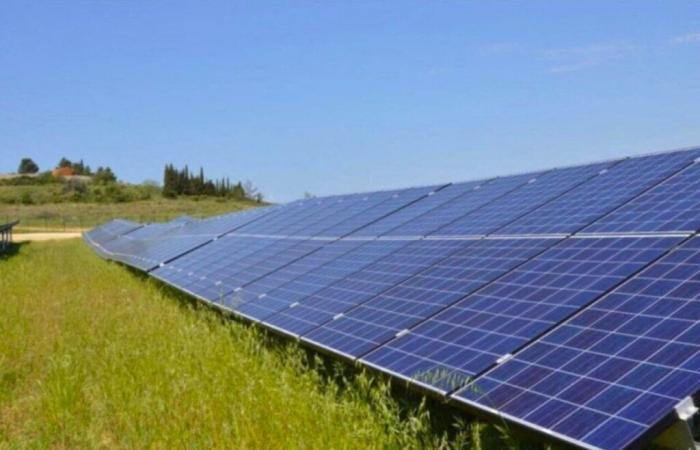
{"x": 565, "y": 301}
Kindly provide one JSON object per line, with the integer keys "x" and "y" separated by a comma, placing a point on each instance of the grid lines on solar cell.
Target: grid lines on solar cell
{"x": 237, "y": 273}
{"x": 616, "y": 368}
{"x": 405, "y": 305}
{"x": 472, "y": 334}
{"x": 363, "y": 284}
{"x": 307, "y": 284}
{"x": 520, "y": 201}
{"x": 195, "y": 268}
{"x": 460, "y": 206}
{"x": 670, "y": 206}
{"x": 313, "y": 261}
{"x": 424, "y": 206}
{"x": 219, "y": 225}
{"x": 149, "y": 253}
{"x": 111, "y": 230}
{"x": 289, "y": 215}
{"x": 346, "y": 209}
{"x": 600, "y": 195}
{"x": 398, "y": 200}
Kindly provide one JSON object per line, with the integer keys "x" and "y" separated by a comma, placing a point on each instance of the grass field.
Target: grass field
{"x": 93, "y": 355}
{"x": 80, "y": 216}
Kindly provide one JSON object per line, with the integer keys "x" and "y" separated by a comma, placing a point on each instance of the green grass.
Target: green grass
{"x": 95, "y": 356}
{"x": 80, "y": 216}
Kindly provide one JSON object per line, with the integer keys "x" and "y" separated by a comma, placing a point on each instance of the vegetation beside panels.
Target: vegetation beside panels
{"x": 96, "y": 356}
{"x": 74, "y": 196}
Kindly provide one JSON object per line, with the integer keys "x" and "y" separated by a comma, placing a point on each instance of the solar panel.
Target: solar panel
{"x": 600, "y": 195}
{"x": 448, "y": 212}
{"x": 403, "y": 200}
{"x": 606, "y": 376}
{"x": 304, "y": 211}
{"x": 222, "y": 275}
{"x": 333, "y": 250}
{"x": 471, "y": 335}
{"x": 219, "y": 225}
{"x": 406, "y": 304}
{"x": 150, "y": 252}
{"x": 669, "y": 207}
{"x": 536, "y": 192}
{"x": 563, "y": 300}
{"x": 426, "y": 204}
{"x": 324, "y": 305}
{"x": 195, "y": 272}
{"x": 110, "y": 230}
{"x": 289, "y": 294}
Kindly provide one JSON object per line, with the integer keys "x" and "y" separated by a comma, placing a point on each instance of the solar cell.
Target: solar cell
{"x": 290, "y": 293}
{"x": 99, "y": 236}
{"x": 235, "y": 274}
{"x": 221, "y": 275}
{"x": 335, "y": 249}
{"x": 600, "y": 195}
{"x": 314, "y": 310}
{"x": 426, "y": 204}
{"x": 219, "y": 225}
{"x": 380, "y": 318}
{"x": 487, "y": 325}
{"x": 305, "y": 211}
{"x": 535, "y": 193}
{"x": 614, "y": 370}
{"x": 668, "y": 207}
{"x": 448, "y": 212}
{"x": 194, "y": 272}
{"x": 147, "y": 253}
{"x": 404, "y": 200}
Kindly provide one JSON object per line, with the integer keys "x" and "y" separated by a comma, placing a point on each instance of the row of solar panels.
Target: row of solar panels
{"x": 563, "y": 300}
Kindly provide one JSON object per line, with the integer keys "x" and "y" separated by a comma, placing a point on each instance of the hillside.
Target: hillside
{"x": 48, "y": 202}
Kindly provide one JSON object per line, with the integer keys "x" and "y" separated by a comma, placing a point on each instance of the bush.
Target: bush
{"x": 26, "y": 198}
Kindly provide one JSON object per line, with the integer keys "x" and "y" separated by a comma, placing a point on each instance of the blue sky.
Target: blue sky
{"x": 335, "y": 97}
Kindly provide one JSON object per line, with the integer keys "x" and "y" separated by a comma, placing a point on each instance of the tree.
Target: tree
{"x": 27, "y": 166}
{"x": 64, "y": 163}
{"x": 104, "y": 175}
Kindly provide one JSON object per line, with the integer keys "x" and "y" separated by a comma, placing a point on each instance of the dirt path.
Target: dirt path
{"x": 23, "y": 237}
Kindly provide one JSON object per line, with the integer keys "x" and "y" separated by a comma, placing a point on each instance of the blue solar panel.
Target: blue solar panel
{"x": 606, "y": 376}
{"x": 219, "y": 225}
{"x": 471, "y": 335}
{"x": 600, "y": 195}
{"x": 256, "y": 265}
{"x": 362, "y": 285}
{"x": 346, "y": 207}
{"x": 301, "y": 287}
{"x": 148, "y": 252}
{"x": 472, "y": 200}
{"x": 110, "y": 230}
{"x": 673, "y": 205}
{"x": 196, "y": 272}
{"x": 379, "y": 319}
{"x": 221, "y": 275}
{"x": 521, "y": 201}
{"x": 399, "y": 201}
{"x": 309, "y": 263}
{"x": 427, "y": 204}
{"x": 300, "y": 214}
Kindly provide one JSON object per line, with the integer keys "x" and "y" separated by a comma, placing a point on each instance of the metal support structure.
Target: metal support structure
{"x": 6, "y": 234}
{"x": 681, "y": 435}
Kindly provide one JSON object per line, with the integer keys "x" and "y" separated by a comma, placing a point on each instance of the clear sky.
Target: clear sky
{"x": 342, "y": 96}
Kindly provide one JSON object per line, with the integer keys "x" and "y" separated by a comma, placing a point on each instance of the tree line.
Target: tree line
{"x": 27, "y": 166}
{"x": 185, "y": 182}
